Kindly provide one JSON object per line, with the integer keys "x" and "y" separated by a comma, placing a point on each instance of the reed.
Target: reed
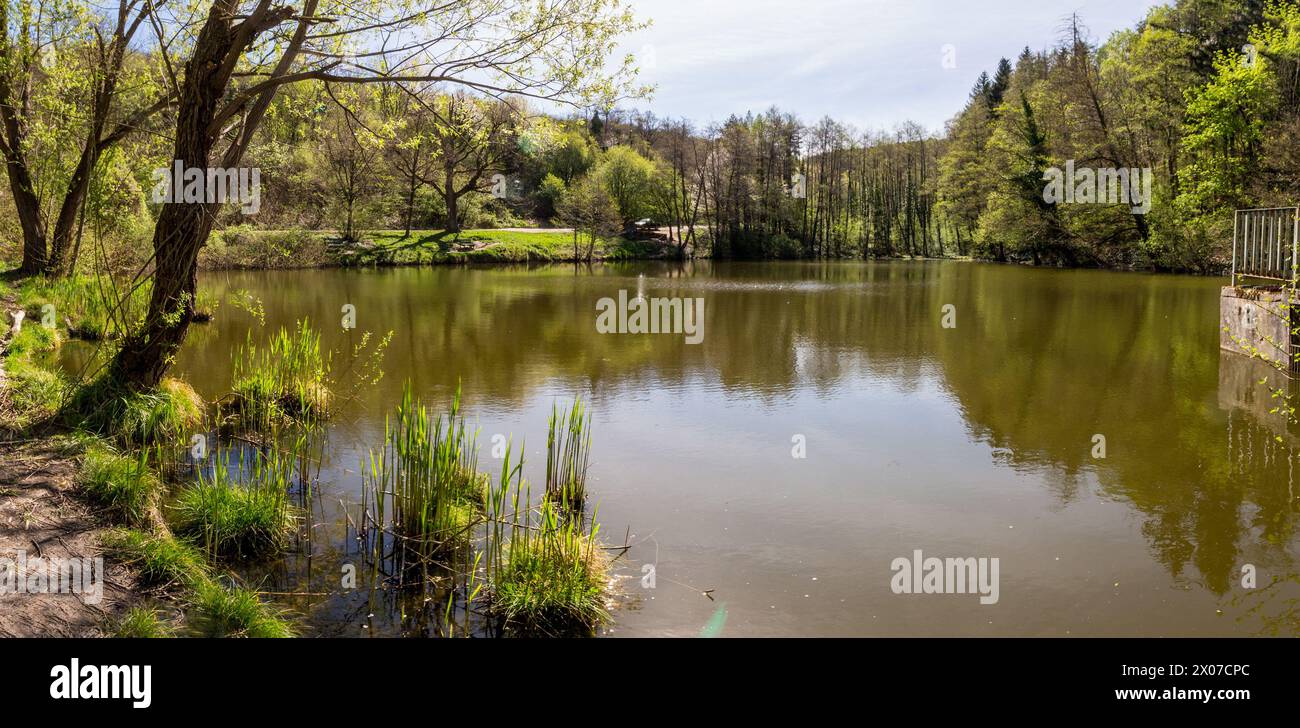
{"x": 568, "y": 454}
{"x": 545, "y": 572}
{"x": 240, "y": 512}
{"x": 429, "y": 467}
{"x": 288, "y": 379}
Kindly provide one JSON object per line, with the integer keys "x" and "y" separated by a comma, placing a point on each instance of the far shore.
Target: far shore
{"x": 239, "y": 248}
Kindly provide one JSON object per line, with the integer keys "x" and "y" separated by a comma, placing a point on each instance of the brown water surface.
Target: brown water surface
{"x": 972, "y": 441}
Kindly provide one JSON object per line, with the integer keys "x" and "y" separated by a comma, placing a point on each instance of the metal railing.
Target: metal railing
{"x": 1265, "y": 243}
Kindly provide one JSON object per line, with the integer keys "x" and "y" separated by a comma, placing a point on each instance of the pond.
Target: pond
{"x": 1081, "y": 427}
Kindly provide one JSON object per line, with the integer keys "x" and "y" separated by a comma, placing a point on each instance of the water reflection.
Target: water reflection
{"x": 919, "y": 436}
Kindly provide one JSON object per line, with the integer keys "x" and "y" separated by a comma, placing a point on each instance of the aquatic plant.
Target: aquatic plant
{"x": 240, "y": 512}
{"x": 430, "y": 468}
{"x": 568, "y": 454}
{"x": 545, "y": 572}
{"x": 287, "y": 379}
{"x": 235, "y": 612}
{"x": 205, "y": 307}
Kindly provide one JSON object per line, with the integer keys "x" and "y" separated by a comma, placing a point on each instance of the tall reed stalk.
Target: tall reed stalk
{"x": 430, "y": 520}
{"x": 544, "y": 570}
{"x": 424, "y": 481}
{"x": 288, "y": 378}
{"x": 568, "y": 454}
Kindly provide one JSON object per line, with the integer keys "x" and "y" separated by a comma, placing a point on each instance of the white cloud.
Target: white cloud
{"x": 873, "y": 63}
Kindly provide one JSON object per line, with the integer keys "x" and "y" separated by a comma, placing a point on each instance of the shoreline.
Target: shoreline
{"x": 91, "y": 490}
{"x": 244, "y": 249}
{"x": 44, "y": 515}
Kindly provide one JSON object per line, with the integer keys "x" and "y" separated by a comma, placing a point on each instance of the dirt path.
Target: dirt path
{"x": 43, "y": 525}
{"x": 42, "y": 522}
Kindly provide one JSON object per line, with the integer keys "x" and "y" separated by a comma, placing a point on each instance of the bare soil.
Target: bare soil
{"x": 41, "y": 516}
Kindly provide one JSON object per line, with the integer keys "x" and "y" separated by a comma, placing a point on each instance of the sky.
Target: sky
{"x": 871, "y": 63}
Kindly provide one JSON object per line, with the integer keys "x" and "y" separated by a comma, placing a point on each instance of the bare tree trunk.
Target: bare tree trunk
{"x": 182, "y": 228}
{"x": 23, "y": 189}
{"x": 410, "y": 192}
{"x": 35, "y": 254}
{"x": 452, "y": 198}
{"x": 59, "y": 262}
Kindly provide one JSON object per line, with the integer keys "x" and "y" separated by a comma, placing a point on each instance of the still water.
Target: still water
{"x": 978, "y": 440}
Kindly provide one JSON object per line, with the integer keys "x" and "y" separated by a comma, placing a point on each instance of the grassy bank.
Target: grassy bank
{"x": 186, "y": 525}
{"x": 245, "y": 248}
{"x": 117, "y": 453}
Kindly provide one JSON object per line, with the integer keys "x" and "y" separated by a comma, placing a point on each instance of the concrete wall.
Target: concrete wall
{"x": 1255, "y": 319}
{"x": 1240, "y": 389}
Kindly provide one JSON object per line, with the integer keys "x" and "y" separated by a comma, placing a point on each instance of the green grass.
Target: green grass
{"x": 35, "y": 391}
{"x": 430, "y": 468}
{"x": 160, "y": 560}
{"x": 235, "y": 612}
{"x": 35, "y": 394}
{"x": 288, "y": 379}
{"x": 394, "y": 247}
{"x": 125, "y": 486}
{"x": 163, "y": 416}
{"x": 88, "y": 307}
{"x": 143, "y": 623}
{"x": 168, "y": 414}
{"x": 33, "y": 338}
{"x": 213, "y": 610}
{"x": 239, "y": 513}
